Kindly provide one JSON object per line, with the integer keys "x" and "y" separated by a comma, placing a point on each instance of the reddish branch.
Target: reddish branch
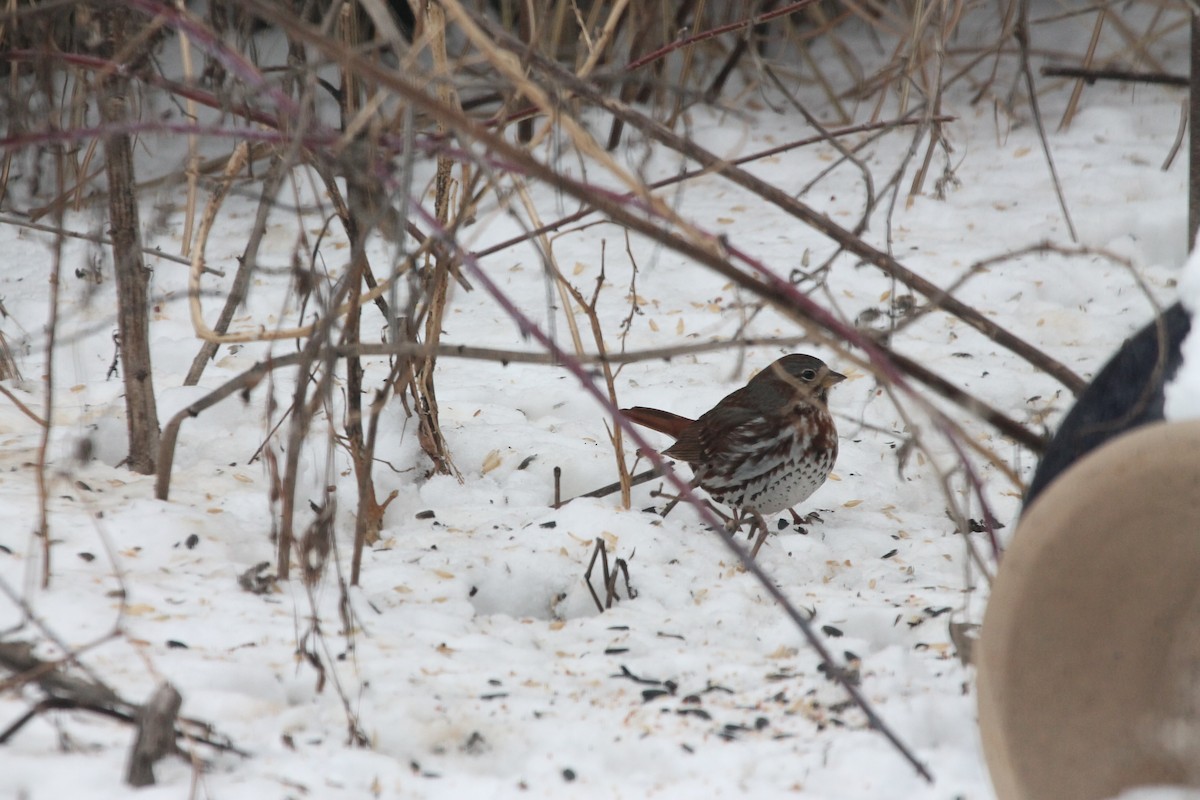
{"x": 712, "y": 33}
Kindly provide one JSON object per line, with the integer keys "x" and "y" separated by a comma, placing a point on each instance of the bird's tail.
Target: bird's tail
{"x": 661, "y": 421}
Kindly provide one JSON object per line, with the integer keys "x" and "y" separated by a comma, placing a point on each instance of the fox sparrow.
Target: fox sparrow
{"x": 765, "y": 447}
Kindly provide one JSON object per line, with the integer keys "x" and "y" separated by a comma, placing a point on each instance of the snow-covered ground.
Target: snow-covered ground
{"x": 476, "y": 663}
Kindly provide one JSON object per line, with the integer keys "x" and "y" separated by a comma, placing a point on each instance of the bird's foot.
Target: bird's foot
{"x": 761, "y": 525}
{"x": 806, "y": 519}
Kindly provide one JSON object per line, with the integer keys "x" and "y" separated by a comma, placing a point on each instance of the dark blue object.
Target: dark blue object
{"x": 1127, "y": 393}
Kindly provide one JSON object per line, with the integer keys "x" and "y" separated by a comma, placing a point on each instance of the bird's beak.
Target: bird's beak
{"x": 832, "y": 379}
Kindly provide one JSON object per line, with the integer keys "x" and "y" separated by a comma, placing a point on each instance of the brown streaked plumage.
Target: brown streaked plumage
{"x": 763, "y": 448}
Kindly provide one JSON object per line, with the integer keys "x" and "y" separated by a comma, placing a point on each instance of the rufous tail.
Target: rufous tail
{"x": 661, "y": 421}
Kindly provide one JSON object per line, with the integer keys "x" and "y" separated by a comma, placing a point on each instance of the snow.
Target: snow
{"x": 477, "y": 664}
{"x": 1182, "y": 394}
{"x": 1158, "y": 793}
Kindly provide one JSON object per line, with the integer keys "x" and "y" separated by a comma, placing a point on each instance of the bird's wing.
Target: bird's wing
{"x": 714, "y": 430}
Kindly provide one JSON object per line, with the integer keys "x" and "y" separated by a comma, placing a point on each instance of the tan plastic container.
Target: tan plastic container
{"x": 1089, "y": 656}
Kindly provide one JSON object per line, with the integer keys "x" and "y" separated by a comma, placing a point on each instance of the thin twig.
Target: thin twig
{"x": 96, "y": 238}
{"x": 796, "y": 208}
{"x": 1123, "y": 75}
{"x": 24, "y": 409}
{"x": 1021, "y": 32}
{"x": 589, "y": 210}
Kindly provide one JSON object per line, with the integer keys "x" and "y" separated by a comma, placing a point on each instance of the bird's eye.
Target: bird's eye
{"x": 809, "y": 374}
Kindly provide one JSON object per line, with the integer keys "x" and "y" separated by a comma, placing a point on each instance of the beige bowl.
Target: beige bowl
{"x": 1089, "y": 657}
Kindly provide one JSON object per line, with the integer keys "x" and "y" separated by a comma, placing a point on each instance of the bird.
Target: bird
{"x": 762, "y": 449}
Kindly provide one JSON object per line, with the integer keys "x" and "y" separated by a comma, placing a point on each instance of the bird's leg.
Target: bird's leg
{"x": 763, "y": 530}
{"x": 727, "y": 517}
{"x": 757, "y": 523}
{"x": 733, "y": 520}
